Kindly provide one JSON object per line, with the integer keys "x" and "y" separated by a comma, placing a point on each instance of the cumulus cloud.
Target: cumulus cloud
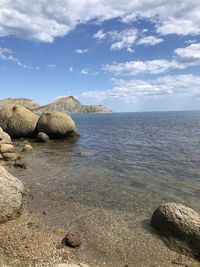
{"x": 150, "y": 40}
{"x": 8, "y": 55}
{"x": 189, "y": 53}
{"x": 44, "y": 20}
{"x": 132, "y": 90}
{"x": 82, "y": 51}
{"x": 184, "y": 58}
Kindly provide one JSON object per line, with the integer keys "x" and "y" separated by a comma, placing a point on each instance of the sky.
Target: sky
{"x": 127, "y": 55}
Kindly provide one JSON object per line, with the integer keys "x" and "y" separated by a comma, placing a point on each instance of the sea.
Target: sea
{"x": 107, "y": 183}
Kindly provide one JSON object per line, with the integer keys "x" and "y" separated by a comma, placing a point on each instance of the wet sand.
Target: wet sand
{"x": 35, "y": 238}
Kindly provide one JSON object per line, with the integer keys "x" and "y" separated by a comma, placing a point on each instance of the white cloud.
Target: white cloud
{"x": 123, "y": 39}
{"x": 8, "y": 55}
{"x": 71, "y": 69}
{"x": 137, "y": 67}
{"x": 51, "y": 66}
{"x": 44, "y": 20}
{"x": 189, "y": 53}
{"x": 82, "y": 51}
{"x": 84, "y": 71}
{"x": 100, "y": 35}
{"x": 184, "y": 58}
{"x": 150, "y": 40}
{"x": 133, "y": 90}
{"x": 119, "y": 39}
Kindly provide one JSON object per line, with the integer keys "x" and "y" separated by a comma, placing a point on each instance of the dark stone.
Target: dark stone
{"x": 72, "y": 240}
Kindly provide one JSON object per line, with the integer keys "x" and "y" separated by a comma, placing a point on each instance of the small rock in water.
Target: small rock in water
{"x": 82, "y": 154}
{"x": 27, "y": 148}
{"x": 20, "y": 164}
{"x": 72, "y": 240}
{"x": 11, "y": 156}
{"x": 42, "y": 137}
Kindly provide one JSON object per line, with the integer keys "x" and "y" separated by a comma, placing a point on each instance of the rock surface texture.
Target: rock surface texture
{"x": 180, "y": 226}
{"x": 56, "y": 124}
{"x": 18, "y": 121}
{"x": 4, "y": 137}
{"x": 11, "y": 190}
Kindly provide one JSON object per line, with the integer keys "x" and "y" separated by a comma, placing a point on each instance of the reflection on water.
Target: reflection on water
{"x": 132, "y": 159}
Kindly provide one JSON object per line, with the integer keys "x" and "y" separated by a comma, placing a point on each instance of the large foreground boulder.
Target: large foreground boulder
{"x": 56, "y": 124}
{"x": 180, "y": 226}
{"x": 11, "y": 190}
{"x": 18, "y": 121}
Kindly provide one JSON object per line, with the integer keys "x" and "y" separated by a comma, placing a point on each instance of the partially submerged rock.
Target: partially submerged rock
{"x": 27, "y": 148}
{"x": 11, "y": 190}
{"x": 42, "y": 137}
{"x": 20, "y": 164}
{"x": 180, "y": 226}
{"x": 56, "y": 124}
{"x": 18, "y": 121}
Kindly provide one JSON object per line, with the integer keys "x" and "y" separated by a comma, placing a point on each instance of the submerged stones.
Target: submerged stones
{"x": 180, "y": 226}
{"x": 18, "y": 121}
{"x": 56, "y": 124}
{"x": 11, "y": 190}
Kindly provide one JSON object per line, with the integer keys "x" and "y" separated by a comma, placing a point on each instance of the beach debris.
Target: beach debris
{"x": 72, "y": 240}
{"x": 42, "y": 137}
{"x": 179, "y": 226}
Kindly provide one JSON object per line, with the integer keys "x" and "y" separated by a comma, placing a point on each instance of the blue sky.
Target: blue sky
{"x": 129, "y": 56}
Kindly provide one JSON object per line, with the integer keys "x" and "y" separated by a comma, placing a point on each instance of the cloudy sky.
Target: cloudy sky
{"x": 129, "y": 55}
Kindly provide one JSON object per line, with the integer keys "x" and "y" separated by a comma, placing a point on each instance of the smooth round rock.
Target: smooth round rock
{"x": 42, "y": 137}
{"x": 18, "y": 121}
{"x": 56, "y": 124}
{"x": 176, "y": 221}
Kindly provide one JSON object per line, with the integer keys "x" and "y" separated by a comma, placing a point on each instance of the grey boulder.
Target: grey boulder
{"x": 11, "y": 190}
{"x": 180, "y": 226}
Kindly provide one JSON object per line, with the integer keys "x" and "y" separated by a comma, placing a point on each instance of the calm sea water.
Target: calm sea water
{"x": 134, "y": 160}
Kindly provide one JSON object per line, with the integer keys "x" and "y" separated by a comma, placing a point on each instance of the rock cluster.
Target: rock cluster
{"x": 17, "y": 121}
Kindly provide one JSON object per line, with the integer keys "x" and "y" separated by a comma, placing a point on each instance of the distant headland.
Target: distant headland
{"x": 68, "y": 104}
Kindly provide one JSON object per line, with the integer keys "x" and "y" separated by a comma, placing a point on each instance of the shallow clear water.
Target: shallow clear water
{"x": 134, "y": 160}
